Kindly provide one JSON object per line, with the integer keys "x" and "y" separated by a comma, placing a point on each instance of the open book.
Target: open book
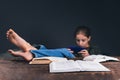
{"x": 100, "y": 58}
{"x": 96, "y": 58}
{"x": 78, "y": 65}
{"x": 46, "y": 60}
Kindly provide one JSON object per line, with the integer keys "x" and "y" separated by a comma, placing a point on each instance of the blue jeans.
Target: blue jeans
{"x": 60, "y": 52}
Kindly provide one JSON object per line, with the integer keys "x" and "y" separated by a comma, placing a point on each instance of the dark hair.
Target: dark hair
{"x": 83, "y": 29}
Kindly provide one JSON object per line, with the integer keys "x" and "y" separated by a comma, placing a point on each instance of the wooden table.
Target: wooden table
{"x": 18, "y": 69}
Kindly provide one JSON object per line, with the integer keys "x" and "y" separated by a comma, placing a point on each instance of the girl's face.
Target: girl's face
{"x": 82, "y": 40}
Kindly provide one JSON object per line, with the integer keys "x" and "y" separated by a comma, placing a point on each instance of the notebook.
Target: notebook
{"x": 76, "y": 66}
{"x": 46, "y": 60}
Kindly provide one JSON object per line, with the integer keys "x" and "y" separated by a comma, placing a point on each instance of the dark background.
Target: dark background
{"x": 52, "y": 22}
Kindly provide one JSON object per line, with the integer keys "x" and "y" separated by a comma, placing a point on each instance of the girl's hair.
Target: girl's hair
{"x": 84, "y": 30}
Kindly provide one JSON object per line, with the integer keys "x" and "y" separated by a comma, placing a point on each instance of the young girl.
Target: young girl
{"x": 28, "y": 52}
{"x": 83, "y": 37}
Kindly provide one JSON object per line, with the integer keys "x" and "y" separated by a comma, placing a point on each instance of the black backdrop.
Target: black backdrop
{"x": 52, "y": 22}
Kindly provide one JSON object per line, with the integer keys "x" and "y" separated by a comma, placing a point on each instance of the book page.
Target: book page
{"x": 100, "y": 58}
{"x": 91, "y": 66}
{"x": 66, "y": 66}
{"x": 52, "y": 58}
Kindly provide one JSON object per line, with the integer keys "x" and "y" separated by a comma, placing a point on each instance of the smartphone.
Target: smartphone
{"x": 76, "y": 49}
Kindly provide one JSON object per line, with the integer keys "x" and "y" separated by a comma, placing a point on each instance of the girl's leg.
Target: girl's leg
{"x": 14, "y": 38}
{"x": 26, "y": 55}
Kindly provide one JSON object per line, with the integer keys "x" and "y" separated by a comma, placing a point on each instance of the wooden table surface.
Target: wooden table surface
{"x": 18, "y": 69}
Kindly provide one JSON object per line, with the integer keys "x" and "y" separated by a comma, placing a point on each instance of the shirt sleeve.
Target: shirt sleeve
{"x": 94, "y": 50}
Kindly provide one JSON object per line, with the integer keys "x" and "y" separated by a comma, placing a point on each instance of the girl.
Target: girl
{"x": 83, "y": 37}
{"x": 28, "y": 52}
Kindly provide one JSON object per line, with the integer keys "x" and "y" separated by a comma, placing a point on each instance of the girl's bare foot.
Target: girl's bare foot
{"x": 14, "y": 38}
{"x": 26, "y": 55}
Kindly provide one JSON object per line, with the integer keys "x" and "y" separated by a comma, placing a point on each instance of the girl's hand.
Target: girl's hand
{"x": 84, "y": 53}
